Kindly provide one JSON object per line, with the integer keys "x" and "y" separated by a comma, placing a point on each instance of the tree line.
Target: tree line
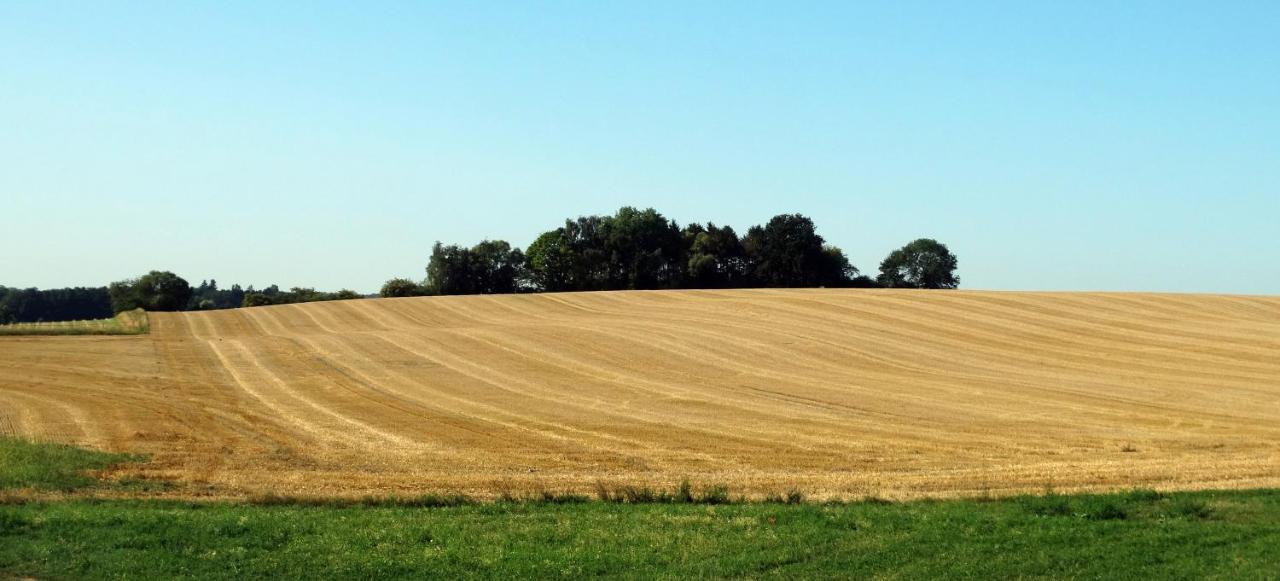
{"x": 31, "y": 305}
{"x": 166, "y": 291}
{"x": 154, "y": 291}
{"x": 642, "y": 249}
{"x": 631, "y": 249}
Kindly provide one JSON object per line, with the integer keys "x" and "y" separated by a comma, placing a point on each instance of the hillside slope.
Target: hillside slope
{"x": 835, "y": 392}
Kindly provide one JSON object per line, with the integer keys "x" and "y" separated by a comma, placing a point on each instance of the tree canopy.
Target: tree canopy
{"x": 642, "y": 249}
{"x": 401, "y": 287}
{"x": 630, "y": 249}
{"x": 31, "y": 305}
{"x": 490, "y": 267}
{"x": 788, "y": 252}
{"x": 923, "y": 263}
{"x": 154, "y": 291}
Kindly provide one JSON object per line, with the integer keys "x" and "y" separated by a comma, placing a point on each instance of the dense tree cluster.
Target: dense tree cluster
{"x": 31, "y": 305}
{"x": 272, "y": 295}
{"x": 154, "y": 291}
{"x": 632, "y": 249}
{"x": 490, "y": 267}
{"x": 642, "y": 249}
{"x": 208, "y": 296}
{"x": 924, "y": 263}
{"x": 402, "y": 287}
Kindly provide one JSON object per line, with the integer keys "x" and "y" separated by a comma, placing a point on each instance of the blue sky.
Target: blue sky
{"x": 1057, "y": 146}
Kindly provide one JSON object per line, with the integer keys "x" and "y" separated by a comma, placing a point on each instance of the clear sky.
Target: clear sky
{"x": 1051, "y": 145}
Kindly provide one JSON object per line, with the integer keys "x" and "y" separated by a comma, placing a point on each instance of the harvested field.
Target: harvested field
{"x": 835, "y": 392}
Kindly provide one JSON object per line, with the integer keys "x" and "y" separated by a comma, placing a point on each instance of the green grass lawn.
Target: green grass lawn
{"x": 1145, "y": 534}
{"x": 1227, "y": 535}
{"x": 52, "y": 467}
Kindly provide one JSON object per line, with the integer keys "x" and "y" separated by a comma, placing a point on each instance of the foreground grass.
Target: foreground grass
{"x": 126, "y": 323}
{"x": 632, "y": 532}
{"x": 43, "y": 466}
{"x": 1185, "y": 535}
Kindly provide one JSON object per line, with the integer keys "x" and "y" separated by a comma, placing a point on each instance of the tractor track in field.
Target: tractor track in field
{"x": 837, "y": 392}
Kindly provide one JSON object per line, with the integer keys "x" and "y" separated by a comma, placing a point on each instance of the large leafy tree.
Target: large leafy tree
{"x": 63, "y": 304}
{"x": 574, "y": 257}
{"x": 154, "y": 291}
{"x": 491, "y": 266}
{"x": 496, "y": 267}
{"x": 923, "y": 263}
{"x": 401, "y": 287}
{"x": 715, "y": 257}
{"x": 788, "y": 252}
{"x": 449, "y": 271}
{"x": 548, "y": 262}
{"x": 643, "y": 249}
{"x": 586, "y": 249}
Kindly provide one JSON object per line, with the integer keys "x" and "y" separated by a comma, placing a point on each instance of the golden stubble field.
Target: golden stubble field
{"x": 839, "y": 393}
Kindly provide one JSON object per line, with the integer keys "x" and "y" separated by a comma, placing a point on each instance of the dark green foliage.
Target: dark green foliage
{"x": 443, "y": 538}
{"x": 549, "y": 262}
{"x": 716, "y": 257}
{"x": 924, "y": 263}
{"x": 633, "y": 249}
{"x": 401, "y": 287}
{"x": 252, "y": 299}
{"x": 154, "y": 291}
{"x": 64, "y": 304}
{"x": 208, "y": 296}
{"x": 788, "y": 252}
{"x": 490, "y": 267}
{"x": 272, "y": 295}
{"x": 641, "y": 249}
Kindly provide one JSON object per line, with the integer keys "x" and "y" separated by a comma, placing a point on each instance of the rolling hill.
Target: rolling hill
{"x": 838, "y": 393}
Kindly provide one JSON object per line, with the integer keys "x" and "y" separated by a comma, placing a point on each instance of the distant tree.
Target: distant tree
{"x": 864, "y": 281}
{"x": 154, "y": 291}
{"x": 124, "y": 296}
{"x": 715, "y": 257}
{"x": 6, "y": 311}
{"x": 401, "y": 287}
{"x": 489, "y": 267}
{"x": 548, "y": 262}
{"x": 923, "y": 263}
{"x": 834, "y": 269}
{"x": 788, "y": 252}
{"x": 496, "y": 267}
{"x": 62, "y": 304}
{"x": 272, "y": 295}
{"x": 232, "y": 298}
{"x": 643, "y": 250}
{"x": 633, "y": 249}
{"x": 587, "y": 253}
{"x": 449, "y": 271}
{"x": 256, "y": 299}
